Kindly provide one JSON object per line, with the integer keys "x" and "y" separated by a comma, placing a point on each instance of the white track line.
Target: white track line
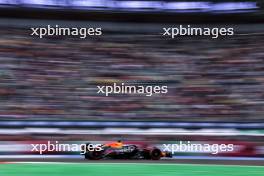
{"x": 148, "y": 164}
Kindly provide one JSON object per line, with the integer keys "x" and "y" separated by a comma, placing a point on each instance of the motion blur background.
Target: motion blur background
{"x": 48, "y": 86}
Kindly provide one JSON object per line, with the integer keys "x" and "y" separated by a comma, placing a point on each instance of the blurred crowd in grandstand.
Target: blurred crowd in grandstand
{"x": 56, "y": 77}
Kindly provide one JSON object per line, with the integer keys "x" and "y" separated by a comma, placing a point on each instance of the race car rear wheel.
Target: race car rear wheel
{"x": 155, "y": 154}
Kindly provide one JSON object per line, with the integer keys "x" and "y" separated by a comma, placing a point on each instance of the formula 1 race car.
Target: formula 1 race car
{"x": 125, "y": 151}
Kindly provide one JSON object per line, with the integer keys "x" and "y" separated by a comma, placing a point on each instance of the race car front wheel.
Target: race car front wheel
{"x": 95, "y": 155}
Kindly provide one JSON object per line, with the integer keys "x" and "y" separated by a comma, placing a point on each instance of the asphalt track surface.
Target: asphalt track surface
{"x": 164, "y": 161}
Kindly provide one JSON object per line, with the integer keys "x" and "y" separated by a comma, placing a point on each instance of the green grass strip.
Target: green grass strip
{"x": 128, "y": 169}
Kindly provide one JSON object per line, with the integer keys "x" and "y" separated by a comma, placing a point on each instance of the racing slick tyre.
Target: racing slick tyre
{"x": 155, "y": 154}
{"x": 94, "y": 155}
